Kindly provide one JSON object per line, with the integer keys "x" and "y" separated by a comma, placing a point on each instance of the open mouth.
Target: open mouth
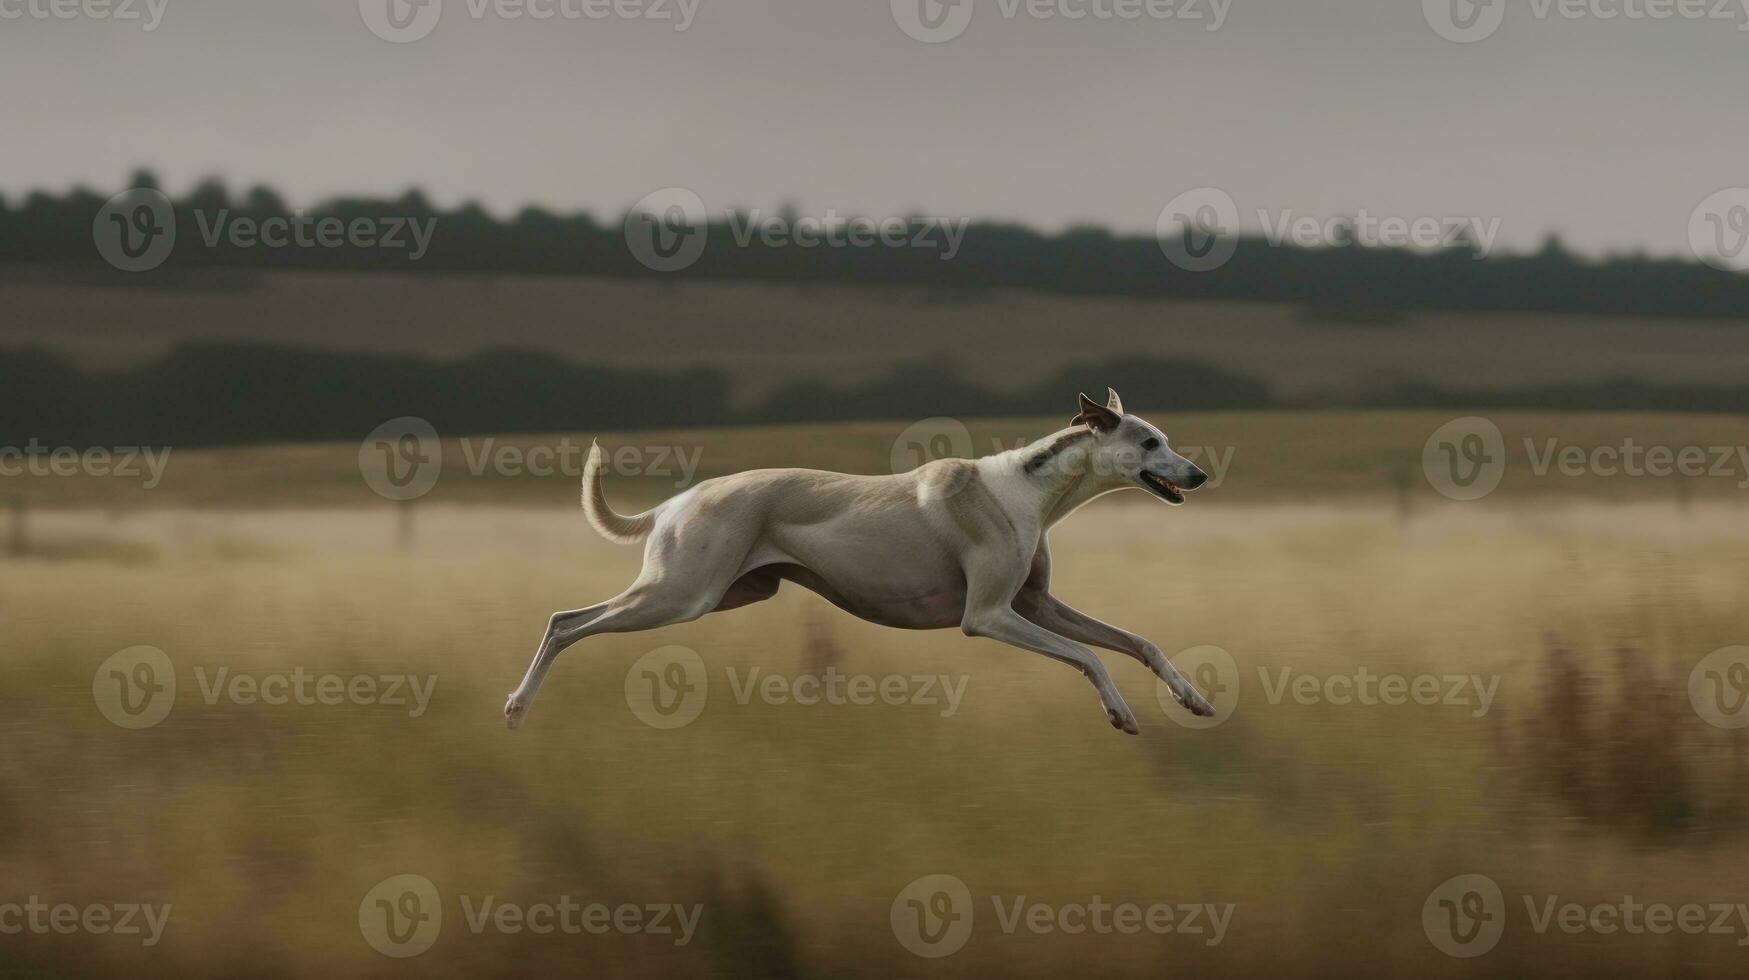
{"x": 1163, "y": 488}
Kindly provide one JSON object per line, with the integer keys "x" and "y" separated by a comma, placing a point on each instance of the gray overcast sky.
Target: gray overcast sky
{"x": 1607, "y": 130}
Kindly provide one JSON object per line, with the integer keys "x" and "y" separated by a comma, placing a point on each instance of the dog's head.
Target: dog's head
{"x": 1131, "y": 449}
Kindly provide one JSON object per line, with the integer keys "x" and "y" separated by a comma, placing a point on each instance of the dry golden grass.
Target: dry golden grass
{"x": 796, "y": 826}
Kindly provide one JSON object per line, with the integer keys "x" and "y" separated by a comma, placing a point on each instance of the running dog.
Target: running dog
{"x": 955, "y": 542}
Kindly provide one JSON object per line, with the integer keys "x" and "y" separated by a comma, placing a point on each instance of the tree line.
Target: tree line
{"x": 232, "y": 394}
{"x": 43, "y": 229}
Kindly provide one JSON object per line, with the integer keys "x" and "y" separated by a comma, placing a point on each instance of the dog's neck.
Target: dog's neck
{"x": 1057, "y": 473}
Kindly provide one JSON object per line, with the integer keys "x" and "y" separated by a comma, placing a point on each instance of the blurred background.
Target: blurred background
{"x": 309, "y": 314}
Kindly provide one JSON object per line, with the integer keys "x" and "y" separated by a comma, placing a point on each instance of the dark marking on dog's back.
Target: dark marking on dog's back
{"x": 1042, "y": 458}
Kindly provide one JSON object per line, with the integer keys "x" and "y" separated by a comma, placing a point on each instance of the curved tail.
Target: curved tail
{"x": 612, "y": 526}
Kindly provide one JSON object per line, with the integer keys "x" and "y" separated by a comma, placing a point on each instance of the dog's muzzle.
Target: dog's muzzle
{"x": 1163, "y": 488}
{"x": 1166, "y": 490}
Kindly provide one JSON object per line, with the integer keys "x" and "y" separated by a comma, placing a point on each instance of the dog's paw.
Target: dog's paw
{"x": 1123, "y": 721}
{"x": 1195, "y": 703}
{"x": 1188, "y": 697}
{"x": 514, "y": 711}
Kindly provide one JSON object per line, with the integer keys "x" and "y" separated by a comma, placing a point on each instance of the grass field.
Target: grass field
{"x": 1320, "y": 828}
{"x": 1335, "y": 458}
{"x": 767, "y": 334}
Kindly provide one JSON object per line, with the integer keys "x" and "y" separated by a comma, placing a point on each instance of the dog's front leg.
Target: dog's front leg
{"x": 989, "y": 613}
{"x": 1010, "y": 627}
{"x": 1059, "y": 617}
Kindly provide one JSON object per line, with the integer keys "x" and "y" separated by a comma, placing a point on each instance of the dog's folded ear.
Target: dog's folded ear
{"x": 1096, "y": 416}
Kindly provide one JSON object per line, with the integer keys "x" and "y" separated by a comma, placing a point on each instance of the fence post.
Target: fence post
{"x": 404, "y": 526}
{"x": 18, "y": 539}
{"x": 1405, "y": 482}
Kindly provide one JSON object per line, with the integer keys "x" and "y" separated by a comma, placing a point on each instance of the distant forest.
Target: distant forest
{"x": 222, "y": 394}
{"x": 233, "y": 394}
{"x": 43, "y": 229}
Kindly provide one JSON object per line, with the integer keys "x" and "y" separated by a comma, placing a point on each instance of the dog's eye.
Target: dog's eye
{"x": 1150, "y": 443}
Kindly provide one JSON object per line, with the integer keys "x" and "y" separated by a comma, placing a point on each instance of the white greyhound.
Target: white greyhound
{"x": 955, "y": 542}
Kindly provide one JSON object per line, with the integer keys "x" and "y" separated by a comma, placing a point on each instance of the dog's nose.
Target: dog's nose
{"x": 1197, "y": 479}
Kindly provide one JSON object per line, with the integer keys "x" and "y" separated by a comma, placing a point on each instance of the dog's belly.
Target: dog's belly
{"x": 931, "y": 610}
{"x": 901, "y": 578}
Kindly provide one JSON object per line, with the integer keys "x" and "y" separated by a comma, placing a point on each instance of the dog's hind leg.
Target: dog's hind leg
{"x": 1059, "y": 617}
{"x": 645, "y": 606}
{"x": 563, "y": 629}
{"x": 674, "y": 587}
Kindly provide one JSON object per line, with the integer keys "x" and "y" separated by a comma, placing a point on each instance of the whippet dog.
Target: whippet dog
{"x": 955, "y": 542}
